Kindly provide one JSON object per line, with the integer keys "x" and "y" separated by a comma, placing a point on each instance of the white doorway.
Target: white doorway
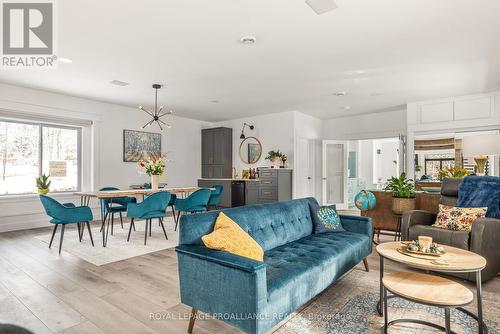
{"x": 335, "y": 173}
{"x": 304, "y": 168}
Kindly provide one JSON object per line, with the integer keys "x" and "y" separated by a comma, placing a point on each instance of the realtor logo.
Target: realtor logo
{"x": 28, "y": 34}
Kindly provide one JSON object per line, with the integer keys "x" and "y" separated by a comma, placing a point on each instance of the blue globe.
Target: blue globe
{"x": 365, "y": 200}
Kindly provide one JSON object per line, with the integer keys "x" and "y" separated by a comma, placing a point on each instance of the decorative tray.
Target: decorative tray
{"x": 414, "y": 247}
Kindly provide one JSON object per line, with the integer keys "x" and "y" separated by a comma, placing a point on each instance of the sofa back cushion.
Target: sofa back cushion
{"x": 271, "y": 225}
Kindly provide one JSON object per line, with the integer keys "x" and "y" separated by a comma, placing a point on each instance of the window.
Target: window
{"x": 436, "y": 162}
{"x": 30, "y": 149}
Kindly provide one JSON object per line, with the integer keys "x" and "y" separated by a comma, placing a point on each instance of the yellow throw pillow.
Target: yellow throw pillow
{"x": 458, "y": 219}
{"x": 230, "y": 237}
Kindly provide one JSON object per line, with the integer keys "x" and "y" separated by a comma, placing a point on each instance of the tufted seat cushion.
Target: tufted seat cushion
{"x": 319, "y": 258}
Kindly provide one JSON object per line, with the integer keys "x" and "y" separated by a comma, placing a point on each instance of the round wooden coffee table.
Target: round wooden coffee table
{"x": 458, "y": 261}
{"x": 428, "y": 290}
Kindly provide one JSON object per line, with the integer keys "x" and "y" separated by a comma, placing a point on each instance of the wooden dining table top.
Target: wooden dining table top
{"x": 136, "y": 192}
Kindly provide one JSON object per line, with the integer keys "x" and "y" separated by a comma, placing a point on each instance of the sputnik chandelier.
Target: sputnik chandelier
{"x": 156, "y": 113}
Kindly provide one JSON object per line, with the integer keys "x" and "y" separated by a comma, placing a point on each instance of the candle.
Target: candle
{"x": 424, "y": 241}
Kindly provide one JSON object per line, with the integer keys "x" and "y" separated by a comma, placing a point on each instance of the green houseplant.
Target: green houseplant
{"x": 403, "y": 193}
{"x": 43, "y": 184}
{"x": 275, "y": 157}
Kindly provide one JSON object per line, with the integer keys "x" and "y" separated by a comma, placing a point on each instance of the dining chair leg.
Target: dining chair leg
{"x": 90, "y": 233}
{"x": 79, "y": 232}
{"x": 112, "y": 222}
{"x": 173, "y": 211}
{"x": 150, "y": 226}
{"x": 81, "y": 229}
{"x": 133, "y": 224}
{"x": 62, "y": 237}
{"x": 53, "y": 233}
{"x": 146, "y": 232}
{"x": 130, "y": 229}
{"x": 121, "y": 219}
{"x": 163, "y": 227}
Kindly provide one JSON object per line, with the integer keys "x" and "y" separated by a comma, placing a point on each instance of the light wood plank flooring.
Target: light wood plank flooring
{"x": 49, "y": 293}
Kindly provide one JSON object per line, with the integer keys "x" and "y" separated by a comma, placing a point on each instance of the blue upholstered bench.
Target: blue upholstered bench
{"x": 254, "y": 296}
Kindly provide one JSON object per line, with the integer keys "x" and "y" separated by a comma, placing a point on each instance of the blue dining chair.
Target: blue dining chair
{"x": 117, "y": 205}
{"x": 64, "y": 214}
{"x": 153, "y": 207}
{"x": 214, "y": 199}
{"x": 196, "y": 202}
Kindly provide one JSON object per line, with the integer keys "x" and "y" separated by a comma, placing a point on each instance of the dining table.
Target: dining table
{"x": 85, "y": 197}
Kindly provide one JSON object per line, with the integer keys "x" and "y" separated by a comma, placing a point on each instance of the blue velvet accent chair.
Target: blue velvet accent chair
{"x": 214, "y": 199}
{"x": 171, "y": 204}
{"x": 68, "y": 213}
{"x": 117, "y": 205}
{"x": 153, "y": 207}
{"x": 298, "y": 265}
{"x": 196, "y": 202}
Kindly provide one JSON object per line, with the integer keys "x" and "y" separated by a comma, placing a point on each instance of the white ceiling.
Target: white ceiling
{"x": 383, "y": 53}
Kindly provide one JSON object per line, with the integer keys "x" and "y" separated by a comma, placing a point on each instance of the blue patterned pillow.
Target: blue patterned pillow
{"x": 325, "y": 219}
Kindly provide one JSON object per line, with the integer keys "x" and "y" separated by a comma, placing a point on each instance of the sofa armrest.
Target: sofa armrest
{"x": 485, "y": 241}
{"x": 222, "y": 284}
{"x": 415, "y": 217}
{"x": 357, "y": 224}
{"x": 221, "y": 258}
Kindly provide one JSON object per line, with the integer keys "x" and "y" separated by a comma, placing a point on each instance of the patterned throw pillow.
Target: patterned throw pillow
{"x": 325, "y": 219}
{"x": 458, "y": 219}
{"x": 228, "y": 236}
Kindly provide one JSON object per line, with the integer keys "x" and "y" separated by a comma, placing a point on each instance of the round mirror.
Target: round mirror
{"x": 250, "y": 150}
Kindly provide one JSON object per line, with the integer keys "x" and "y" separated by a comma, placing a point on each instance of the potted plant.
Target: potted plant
{"x": 403, "y": 193}
{"x": 43, "y": 184}
{"x": 154, "y": 168}
{"x": 275, "y": 158}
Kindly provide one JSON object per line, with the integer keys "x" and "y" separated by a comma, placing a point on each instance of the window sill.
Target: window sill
{"x": 27, "y": 197}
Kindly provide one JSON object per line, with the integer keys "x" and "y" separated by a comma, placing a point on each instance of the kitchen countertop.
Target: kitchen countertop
{"x": 228, "y": 179}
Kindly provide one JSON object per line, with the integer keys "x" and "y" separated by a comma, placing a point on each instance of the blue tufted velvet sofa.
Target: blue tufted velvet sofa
{"x": 253, "y": 295}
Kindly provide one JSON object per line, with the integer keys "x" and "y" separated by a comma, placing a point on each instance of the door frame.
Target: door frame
{"x": 345, "y": 204}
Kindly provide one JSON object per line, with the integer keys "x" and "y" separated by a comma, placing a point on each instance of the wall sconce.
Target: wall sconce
{"x": 242, "y": 136}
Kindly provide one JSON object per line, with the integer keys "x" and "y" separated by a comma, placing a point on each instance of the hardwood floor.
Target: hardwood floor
{"x": 49, "y": 293}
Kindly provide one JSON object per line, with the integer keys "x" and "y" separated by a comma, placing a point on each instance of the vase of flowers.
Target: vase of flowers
{"x": 154, "y": 168}
{"x": 453, "y": 172}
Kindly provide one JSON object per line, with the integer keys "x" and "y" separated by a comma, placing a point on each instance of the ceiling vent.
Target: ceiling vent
{"x": 119, "y": 83}
{"x": 321, "y": 6}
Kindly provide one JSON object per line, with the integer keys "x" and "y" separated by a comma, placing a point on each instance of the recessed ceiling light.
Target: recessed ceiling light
{"x": 340, "y": 93}
{"x": 64, "y": 60}
{"x": 215, "y": 101}
{"x": 119, "y": 83}
{"x": 361, "y": 79}
{"x": 321, "y": 6}
{"x": 346, "y": 107}
{"x": 247, "y": 40}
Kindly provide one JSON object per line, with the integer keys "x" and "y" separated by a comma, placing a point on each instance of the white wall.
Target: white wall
{"x": 370, "y": 126}
{"x": 102, "y": 148}
{"x": 274, "y": 131}
{"x": 476, "y": 112}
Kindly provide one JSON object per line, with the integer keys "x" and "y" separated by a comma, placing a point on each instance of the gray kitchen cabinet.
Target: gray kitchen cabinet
{"x": 252, "y": 189}
{"x": 274, "y": 185}
{"x": 217, "y": 152}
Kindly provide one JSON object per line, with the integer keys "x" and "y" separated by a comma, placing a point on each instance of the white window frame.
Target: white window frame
{"x": 41, "y": 126}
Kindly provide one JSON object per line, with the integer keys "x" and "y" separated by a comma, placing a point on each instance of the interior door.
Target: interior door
{"x": 304, "y": 168}
{"x": 335, "y": 173}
